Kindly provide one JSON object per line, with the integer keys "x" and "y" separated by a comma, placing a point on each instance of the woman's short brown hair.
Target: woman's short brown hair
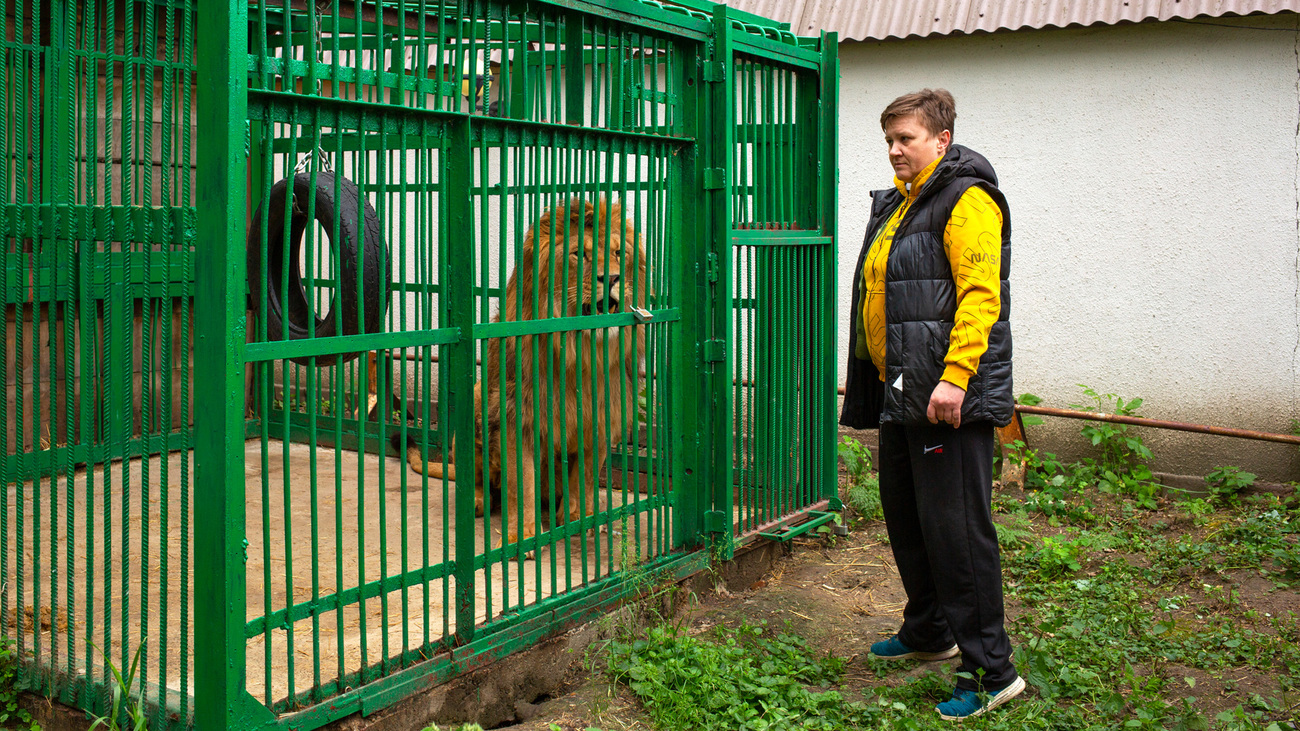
{"x": 935, "y": 108}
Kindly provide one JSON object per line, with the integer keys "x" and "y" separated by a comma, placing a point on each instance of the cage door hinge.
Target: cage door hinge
{"x": 715, "y": 178}
{"x": 715, "y": 521}
{"x": 715, "y": 72}
{"x": 715, "y": 351}
{"x": 711, "y": 267}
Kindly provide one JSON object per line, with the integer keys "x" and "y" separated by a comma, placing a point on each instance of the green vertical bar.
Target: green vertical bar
{"x": 785, "y": 355}
{"x": 121, "y": 335}
{"x": 687, "y": 231}
{"x": 148, "y": 308}
{"x": 722, "y": 140}
{"x": 60, "y": 113}
{"x": 829, "y": 174}
{"x": 458, "y": 290}
{"x": 8, "y": 156}
{"x": 752, "y": 375}
{"x": 188, "y": 56}
{"x": 87, "y": 313}
{"x": 387, "y": 385}
{"x": 219, "y": 649}
{"x": 164, "y": 425}
{"x": 574, "y": 69}
{"x": 66, "y": 667}
{"x": 787, "y": 149}
{"x": 102, "y": 368}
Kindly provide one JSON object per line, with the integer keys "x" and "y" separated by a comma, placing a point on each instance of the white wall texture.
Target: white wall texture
{"x": 1152, "y": 173}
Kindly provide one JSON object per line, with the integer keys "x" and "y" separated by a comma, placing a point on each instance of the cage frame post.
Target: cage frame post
{"x": 221, "y": 702}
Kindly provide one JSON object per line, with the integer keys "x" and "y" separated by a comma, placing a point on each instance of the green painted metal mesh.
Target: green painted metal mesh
{"x": 783, "y": 272}
{"x": 359, "y": 566}
{"x": 97, "y": 220}
{"x": 474, "y": 229}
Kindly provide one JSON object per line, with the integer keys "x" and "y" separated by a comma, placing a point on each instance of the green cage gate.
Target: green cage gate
{"x": 353, "y": 345}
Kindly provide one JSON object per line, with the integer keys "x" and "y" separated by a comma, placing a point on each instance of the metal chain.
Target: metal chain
{"x": 305, "y": 161}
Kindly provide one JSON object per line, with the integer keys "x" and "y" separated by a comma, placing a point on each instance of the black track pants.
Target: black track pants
{"x": 936, "y": 484}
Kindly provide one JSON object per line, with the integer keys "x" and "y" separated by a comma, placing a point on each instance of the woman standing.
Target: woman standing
{"x": 930, "y": 365}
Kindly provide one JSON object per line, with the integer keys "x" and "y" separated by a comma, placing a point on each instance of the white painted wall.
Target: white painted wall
{"x": 1152, "y": 175}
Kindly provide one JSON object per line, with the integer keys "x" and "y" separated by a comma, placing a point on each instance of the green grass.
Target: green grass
{"x": 11, "y": 715}
{"x": 1117, "y": 616}
{"x": 745, "y": 679}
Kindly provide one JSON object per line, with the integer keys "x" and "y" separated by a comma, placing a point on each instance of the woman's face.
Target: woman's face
{"x": 911, "y": 146}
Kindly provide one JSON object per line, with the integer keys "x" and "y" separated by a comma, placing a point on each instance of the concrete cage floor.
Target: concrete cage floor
{"x": 137, "y": 540}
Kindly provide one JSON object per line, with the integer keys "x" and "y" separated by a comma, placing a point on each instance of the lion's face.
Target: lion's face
{"x": 601, "y": 268}
{"x": 597, "y": 262}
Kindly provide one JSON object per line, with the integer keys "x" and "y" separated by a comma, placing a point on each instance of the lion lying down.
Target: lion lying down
{"x": 559, "y": 407}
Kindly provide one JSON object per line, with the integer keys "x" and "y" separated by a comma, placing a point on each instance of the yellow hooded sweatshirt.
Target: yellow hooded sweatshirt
{"x": 972, "y": 241}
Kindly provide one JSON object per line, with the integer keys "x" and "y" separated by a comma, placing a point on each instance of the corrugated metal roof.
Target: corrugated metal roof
{"x": 881, "y": 19}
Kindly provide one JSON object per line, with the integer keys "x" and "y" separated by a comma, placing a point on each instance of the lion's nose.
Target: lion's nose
{"x": 609, "y": 301}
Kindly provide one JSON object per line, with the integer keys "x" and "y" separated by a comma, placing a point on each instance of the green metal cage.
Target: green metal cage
{"x": 276, "y": 272}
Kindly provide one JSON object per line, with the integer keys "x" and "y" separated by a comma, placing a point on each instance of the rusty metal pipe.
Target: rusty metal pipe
{"x": 1222, "y": 431}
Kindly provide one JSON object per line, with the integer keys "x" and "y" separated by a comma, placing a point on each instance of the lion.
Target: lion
{"x": 556, "y": 401}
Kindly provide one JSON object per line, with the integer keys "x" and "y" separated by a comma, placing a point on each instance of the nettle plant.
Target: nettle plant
{"x": 1121, "y": 465}
{"x": 1225, "y": 484}
{"x": 864, "y": 486}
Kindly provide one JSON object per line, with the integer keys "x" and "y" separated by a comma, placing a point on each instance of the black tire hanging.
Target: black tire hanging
{"x": 287, "y": 311}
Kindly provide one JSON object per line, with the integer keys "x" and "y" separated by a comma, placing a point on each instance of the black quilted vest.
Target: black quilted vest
{"x": 920, "y": 303}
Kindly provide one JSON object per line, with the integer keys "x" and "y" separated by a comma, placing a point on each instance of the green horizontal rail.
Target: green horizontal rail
{"x": 777, "y": 238}
{"x": 266, "y": 105}
{"x": 816, "y": 520}
{"x": 135, "y": 279}
{"x": 570, "y": 529}
{"x": 515, "y": 328}
{"x": 657, "y": 17}
{"x": 770, "y": 51}
{"x": 643, "y": 15}
{"x": 307, "y": 347}
{"x": 162, "y": 288}
{"x": 26, "y": 466}
{"x": 282, "y": 618}
{"x": 340, "y": 74}
{"x": 126, "y": 224}
{"x": 409, "y": 124}
{"x": 339, "y": 344}
{"x": 495, "y": 132}
{"x": 349, "y": 433}
{"x": 707, "y": 6}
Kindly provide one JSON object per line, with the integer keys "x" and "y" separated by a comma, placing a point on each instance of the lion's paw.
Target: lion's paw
{"x": 513, "y": 539}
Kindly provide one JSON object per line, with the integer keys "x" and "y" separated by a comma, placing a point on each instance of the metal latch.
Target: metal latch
{"x": 714, "y": 178}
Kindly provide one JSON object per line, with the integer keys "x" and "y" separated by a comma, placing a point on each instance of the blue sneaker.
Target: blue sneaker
{"x": 966, "y": 703}
{"x": 894, "y": 649}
